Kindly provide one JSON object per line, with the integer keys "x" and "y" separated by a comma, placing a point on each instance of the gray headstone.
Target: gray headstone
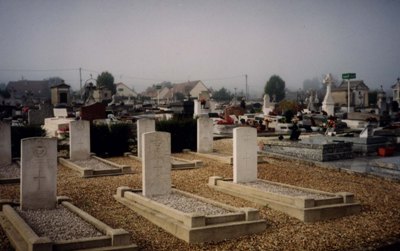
{"x": 244, "y": 154}
{"x": 79, "y": 140}
{"x": 156, "y": 163}
{"x": 38, "y": 173}
{"x": 204, "y": 135}
{"x": 5, "y": 144}
{"x": 143, "y": 126}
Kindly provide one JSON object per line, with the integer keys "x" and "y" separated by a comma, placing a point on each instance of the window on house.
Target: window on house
{"x": 105, "y": 95}
{"x": 120, "y": 89}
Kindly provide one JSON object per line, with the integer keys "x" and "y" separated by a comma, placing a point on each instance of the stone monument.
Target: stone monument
{"x": 143, "y": 126}
{"x": 204, "y": 135}
{"x": 156, "y": 162}
{"x": 79, "y": 140}
{"x": 5, "y": 144}
{"x": 328, "y": 105}
{"x": 244, "y": 154}
{"x": 38, "y": 173}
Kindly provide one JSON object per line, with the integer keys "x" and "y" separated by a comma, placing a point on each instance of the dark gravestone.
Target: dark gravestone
{"x": 94, "y": 111}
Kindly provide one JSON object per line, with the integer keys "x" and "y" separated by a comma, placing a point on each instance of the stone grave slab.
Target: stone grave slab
{"x": 204, "y": 135}
{"x": 176, "y": 163}
{"x": 315, "y": 149}
{"x": 95, "y": 167}
{"x": 387, "y": 167}
{"x": 38, "y": 197}
{"x": 307, "y": 205}
{"x": 156, "y": 171}
{"x": 176, "y": 211}
{"x": 5, "y": 144}
{"x": 226, "y": 158}
{"x": 38, "y": 173}
{"x": 143, "y": 126}
{"x": 360, "y": 145}
{"x": 79, "y": 140}
{"x": 82, "y": 161}
{"x": 9, "y": 169}
{"x": 22, "y": 235}
{"x": 244, "y": 154}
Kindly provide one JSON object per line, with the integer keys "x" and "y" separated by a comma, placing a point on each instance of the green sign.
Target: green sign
{"x": 348, "y": 75}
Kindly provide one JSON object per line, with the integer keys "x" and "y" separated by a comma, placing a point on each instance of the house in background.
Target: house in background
{"x": 358, "y": 94}
{"x": 123, "y": 90}
{"x": 166, "y": 94}
{"x": 191, "y": 89}
{"x": 36, "y": 91}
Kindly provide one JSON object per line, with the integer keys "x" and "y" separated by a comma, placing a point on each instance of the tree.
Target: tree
{"x": 275, "y": 87}
{"x": 222, "y": 95}
{"x": 106, "y": 79}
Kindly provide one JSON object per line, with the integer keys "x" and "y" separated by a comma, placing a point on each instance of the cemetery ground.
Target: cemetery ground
{"x": 376, "y": 226}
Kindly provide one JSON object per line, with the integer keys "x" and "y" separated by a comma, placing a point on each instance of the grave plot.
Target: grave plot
{"x": 315, "y": 148}
{"x": 227, "y": 159}
{"x": 176, "y": 163}
{"x": 43, "y": 221}
{"x": 191, "y": 218}
{"x": 9, "y": 169}
{"x": 387, "y": 167}
{"x": 305, "y": 204}
{"x": 81, "y": 159}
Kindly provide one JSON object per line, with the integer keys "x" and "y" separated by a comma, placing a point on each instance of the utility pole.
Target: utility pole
{"x": 80, "y": 79}
{"x": 247, "y": 88}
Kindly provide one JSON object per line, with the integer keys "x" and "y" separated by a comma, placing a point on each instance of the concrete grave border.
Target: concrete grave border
{"x": 187, "y": 164}
{"x": 193, "y": 227}
{"x": 303, "y": 208}
{"x": 225, "y": 158}
{"x": 115, "y": 169}
{"x": 22, "y": 237}
{"x": 15, "y": 180}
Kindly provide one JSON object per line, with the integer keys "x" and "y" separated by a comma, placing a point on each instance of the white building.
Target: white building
{"x": 123, "y": 90}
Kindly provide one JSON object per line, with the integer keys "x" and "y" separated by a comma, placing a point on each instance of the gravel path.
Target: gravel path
{"x": 10, "y": 171}
{"x": 268, "y": 187}
{"x": 58, "y": 224}
{"x": 189, "y": 205}
{"x": 94, "y": 164}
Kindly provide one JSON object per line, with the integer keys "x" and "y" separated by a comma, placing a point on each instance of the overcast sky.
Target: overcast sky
{"x": 145, "y": 42}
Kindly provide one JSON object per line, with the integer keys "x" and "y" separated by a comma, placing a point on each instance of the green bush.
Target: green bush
{"x": 111, "y": 140}
{"x": 22, "y": 132}
{"x": 183, "y": 133}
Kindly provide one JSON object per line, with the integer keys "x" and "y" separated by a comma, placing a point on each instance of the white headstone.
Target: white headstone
{"x": 5, "y": 144}
{"x": 244, "y": 154}
{"x": 204, "y": 135}
{"x": 328, "y": 105}
{"x": 60, "y": 112}
{"x": 156, "y": 163}
{"x": 143, "y": 126}
{"x": 38, "y": 173}
{"x": 79, "y": 140}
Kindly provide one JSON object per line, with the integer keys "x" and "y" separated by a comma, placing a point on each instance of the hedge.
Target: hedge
{"x": 22, "y": 132}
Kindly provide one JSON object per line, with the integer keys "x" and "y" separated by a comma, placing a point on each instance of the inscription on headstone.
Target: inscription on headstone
{"x": 244, "y": 154}
{"x": 38, "y": 173}
{"x": 5, "y": 144}
{"x": 156, "y": 163}
{"x": 143, "y": 126}
{"x": 79, "y": 140}
{"x": 204, "y": 135}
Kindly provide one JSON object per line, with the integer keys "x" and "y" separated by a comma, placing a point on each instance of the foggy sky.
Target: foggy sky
{"x": 145, "y": 42}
